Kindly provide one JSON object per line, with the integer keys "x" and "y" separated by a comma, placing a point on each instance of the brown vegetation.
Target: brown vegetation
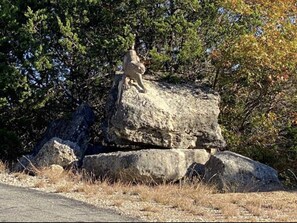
{"x": 165, "y": 202}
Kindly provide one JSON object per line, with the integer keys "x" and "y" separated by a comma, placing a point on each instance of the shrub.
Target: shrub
{"x": 10, "y": 147}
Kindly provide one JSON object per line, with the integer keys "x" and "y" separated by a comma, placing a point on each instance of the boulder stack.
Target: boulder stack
{"x": 165, "y": 130}
{"x": 169, "y": 133}
{"x": 167, "y": 116}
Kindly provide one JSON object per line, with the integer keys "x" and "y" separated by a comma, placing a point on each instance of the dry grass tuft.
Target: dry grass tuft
{"x": 65, "y": 187}
{"x": 3, "y": 167}
{"x": 21, "y": 176}
{"x": 88, "y": 188}
{"x": 40, "y": 184}
{"x": 52, "y": 174}
{"x": 254, "y": 207}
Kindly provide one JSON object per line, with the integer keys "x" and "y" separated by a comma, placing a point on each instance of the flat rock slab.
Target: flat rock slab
{"x": 146, "y": 166}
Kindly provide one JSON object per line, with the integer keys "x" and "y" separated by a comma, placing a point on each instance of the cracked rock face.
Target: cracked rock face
{"x": 57, "y": 151}
{"x": 145, "y": 166}
{"x": 232, "y": 172}
{"x": 167, "y": 116}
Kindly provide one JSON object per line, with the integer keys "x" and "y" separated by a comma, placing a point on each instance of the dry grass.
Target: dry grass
{"x": 52, "y": 175}
{"x": 20, "y": 176}
{"x": 2, "y": 167}
{"x": 65, "y": 187}
{"x": 195, "y": 201}
{"x": 40, "y": 184}
{"x": 118, "y": 202}
{"x": 149, "y": 208}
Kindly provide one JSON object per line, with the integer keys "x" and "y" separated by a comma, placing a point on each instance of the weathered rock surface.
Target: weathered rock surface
{"x": 56, "y": 169}
{"x": 58, "y": 152}
{"x": 146, "y": 166}
{"x": 74, "y": 129}
{"x": 55, "y": 152}
{"x": 167, "y": 116}
{"x": 232, "y": 172}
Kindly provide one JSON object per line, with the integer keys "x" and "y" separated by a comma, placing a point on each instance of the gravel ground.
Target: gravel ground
{"x": 248, "y": 207}
{"x": 146, "y": 211}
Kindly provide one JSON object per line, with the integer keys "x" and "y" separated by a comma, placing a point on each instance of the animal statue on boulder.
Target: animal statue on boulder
{"x": 133, "y": 69}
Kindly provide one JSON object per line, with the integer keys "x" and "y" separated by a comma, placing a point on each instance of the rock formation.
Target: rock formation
{"x": 145, "y": 166}
{"x": 167, "y": 116}
{"x": 74, "y": 129}
{"x": 57, "y": 151}
{"x": 232, "y": 172}
{"x": 169, "y": 133}
{"x": 167, "y": 129}
{"x": 65, "y": 139}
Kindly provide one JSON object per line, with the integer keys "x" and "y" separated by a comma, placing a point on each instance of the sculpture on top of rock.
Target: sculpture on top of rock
{"x": 133, "y": 69}
{"x": 168, "y": 116}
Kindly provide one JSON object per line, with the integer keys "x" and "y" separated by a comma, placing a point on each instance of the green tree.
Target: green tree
{"x": 59, "y": 53}
{"x": 256, "y": 77}
{"x": 56, "y": 54}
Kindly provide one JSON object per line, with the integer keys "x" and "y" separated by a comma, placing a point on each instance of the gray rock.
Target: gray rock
{"x": 167, "y": 116}
{"x": 74, "y": 129}
{"x": 146, "y": 166}
{"x": 56, "y": 169}
{"x": 57, "y": 151}
{"x": 232, "y": 172}
{"x": 22, "y": 163}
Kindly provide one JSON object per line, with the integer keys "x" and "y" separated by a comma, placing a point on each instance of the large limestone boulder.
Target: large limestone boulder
{"x": 145, "y": 166}
{"x": 232, "y": 172}
{"x": 74, "y": 129}
{"x": 167, "y": 116}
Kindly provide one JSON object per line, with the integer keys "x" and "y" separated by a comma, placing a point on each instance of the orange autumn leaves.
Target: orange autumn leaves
{"x": 269, "y": 50}
{"x": 270, "y": 8}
